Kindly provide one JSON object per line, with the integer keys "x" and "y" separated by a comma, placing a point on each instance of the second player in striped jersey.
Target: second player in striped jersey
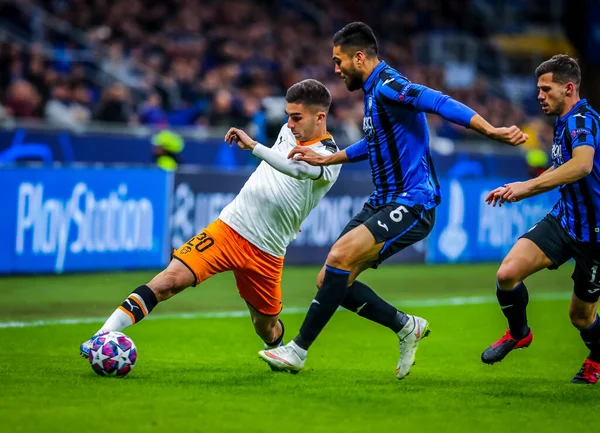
{"x": 570, "y": 231}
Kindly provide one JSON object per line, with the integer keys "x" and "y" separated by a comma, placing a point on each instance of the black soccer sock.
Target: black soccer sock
{"x": 591, "y": 338}
{"x": 328, "y": 299}
{"x": 139, "y": 304}
{"x": 514, "y": 306}
{"x": 279, "y": 339}
{"x": 362, "y": 300}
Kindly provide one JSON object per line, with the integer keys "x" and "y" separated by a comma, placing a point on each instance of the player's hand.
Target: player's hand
{"x": 511, "y": 135}
{"x": 494, "y": 196}
{"x": 511, "y": 193}
{"x": 307, "y": 155}
{"x": 239, "y": 137}
{"x": 516, "y": 191}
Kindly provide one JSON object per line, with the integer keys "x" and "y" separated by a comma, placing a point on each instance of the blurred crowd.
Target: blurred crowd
{"x": 214, "y": 62}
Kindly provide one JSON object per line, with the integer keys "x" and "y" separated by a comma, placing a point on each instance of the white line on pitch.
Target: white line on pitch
{"x": 417, "y": 303}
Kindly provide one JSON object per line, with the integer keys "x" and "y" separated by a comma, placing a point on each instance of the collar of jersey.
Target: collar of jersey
{"x": 373, "y": 76}
{"x": 311, "y": 142}
{"x": 575, "y": 107}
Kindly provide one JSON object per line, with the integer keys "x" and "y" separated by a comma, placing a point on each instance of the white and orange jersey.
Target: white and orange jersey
{"x": 272, "y": 205}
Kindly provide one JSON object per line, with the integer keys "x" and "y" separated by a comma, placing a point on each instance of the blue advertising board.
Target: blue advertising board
{"x": 91, "y": 219}
{"x": 467, "y": 229}
{"x": 77, "y": 219}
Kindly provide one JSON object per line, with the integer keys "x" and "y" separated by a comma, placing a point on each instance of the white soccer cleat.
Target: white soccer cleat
{"x": 86, "y": 346}
{"x": 283, "y": 358}
{"x": 410, "y": 336}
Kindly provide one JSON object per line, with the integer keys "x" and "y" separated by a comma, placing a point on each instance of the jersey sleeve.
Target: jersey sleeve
{"x": 290, "y": 167}
{"x": 329, "y": 173}
{"x": 358, "y": 151}
{"x": 399, "y": 90}
{"x": 583, "y": 131}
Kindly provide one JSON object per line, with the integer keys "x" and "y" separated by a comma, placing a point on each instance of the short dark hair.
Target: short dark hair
{"x": 309, "y": 92}
{"x": 564, "y": 69}
{"x": 357, "y": 36}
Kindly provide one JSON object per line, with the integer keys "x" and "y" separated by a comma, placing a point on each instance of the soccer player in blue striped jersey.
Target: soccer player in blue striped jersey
{"x": 570, "y": 231}
{"x": 401, "y": 210}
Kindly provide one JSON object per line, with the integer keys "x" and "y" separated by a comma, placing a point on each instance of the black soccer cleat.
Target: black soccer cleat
{"x": 498, "y": 351}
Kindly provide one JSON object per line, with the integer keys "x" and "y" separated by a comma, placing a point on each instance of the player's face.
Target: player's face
{"x": 551, "y": 95}
{"x": 345, "y": 69}
{"x": 303, "y": 120}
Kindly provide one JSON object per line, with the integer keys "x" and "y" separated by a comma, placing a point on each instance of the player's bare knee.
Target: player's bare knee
{"x": 581, "y": 319}
{"x": 508, "y": 275}
{"x": 337, "y": 258}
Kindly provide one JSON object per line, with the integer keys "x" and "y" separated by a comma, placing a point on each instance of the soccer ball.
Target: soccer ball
{"x": 113, "y": 354}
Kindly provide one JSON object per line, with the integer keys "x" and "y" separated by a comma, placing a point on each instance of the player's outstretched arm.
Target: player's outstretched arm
{"x": 296, "y": 169}
{"x": 428, "y": 100}
{"x": 510, "y": 135}
{"x": 571, "y": 171}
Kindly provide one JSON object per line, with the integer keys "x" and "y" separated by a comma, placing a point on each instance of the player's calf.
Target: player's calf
{"x": 171, "y": 281}
{"x": 271, "y": 332}
{"x": 268, "y": 327}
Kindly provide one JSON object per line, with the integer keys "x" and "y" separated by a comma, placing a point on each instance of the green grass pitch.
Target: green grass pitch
{"x": 203, "y": 375}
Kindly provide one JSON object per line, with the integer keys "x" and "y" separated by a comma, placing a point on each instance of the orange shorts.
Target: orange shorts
{"x": 219, "y": 248}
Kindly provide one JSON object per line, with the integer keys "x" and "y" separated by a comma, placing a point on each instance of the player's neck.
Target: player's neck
{"x": 369, "y": 67}
{"x": 317, "y": 135}
{"x": 569, "y": 104}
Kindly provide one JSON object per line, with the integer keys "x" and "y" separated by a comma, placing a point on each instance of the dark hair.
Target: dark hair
{"x": 358, "y": 37}
{"x": 564, "y": 69}
{"x": 309, "y": 92}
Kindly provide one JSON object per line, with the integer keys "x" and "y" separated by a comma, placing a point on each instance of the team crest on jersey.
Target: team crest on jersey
{"x": 370, "y": 103}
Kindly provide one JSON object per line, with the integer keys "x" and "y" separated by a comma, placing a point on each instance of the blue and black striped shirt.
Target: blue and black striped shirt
{"x": 396, "y": 141}
{"x": 578, "y": 208}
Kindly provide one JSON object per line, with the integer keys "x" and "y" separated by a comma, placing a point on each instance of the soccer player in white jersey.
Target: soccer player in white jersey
{"x": 252, "y": 233}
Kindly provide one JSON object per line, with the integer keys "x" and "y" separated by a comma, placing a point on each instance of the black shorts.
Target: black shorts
{"x": 554, "y": 241}
{"x": 398, "y": 226}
